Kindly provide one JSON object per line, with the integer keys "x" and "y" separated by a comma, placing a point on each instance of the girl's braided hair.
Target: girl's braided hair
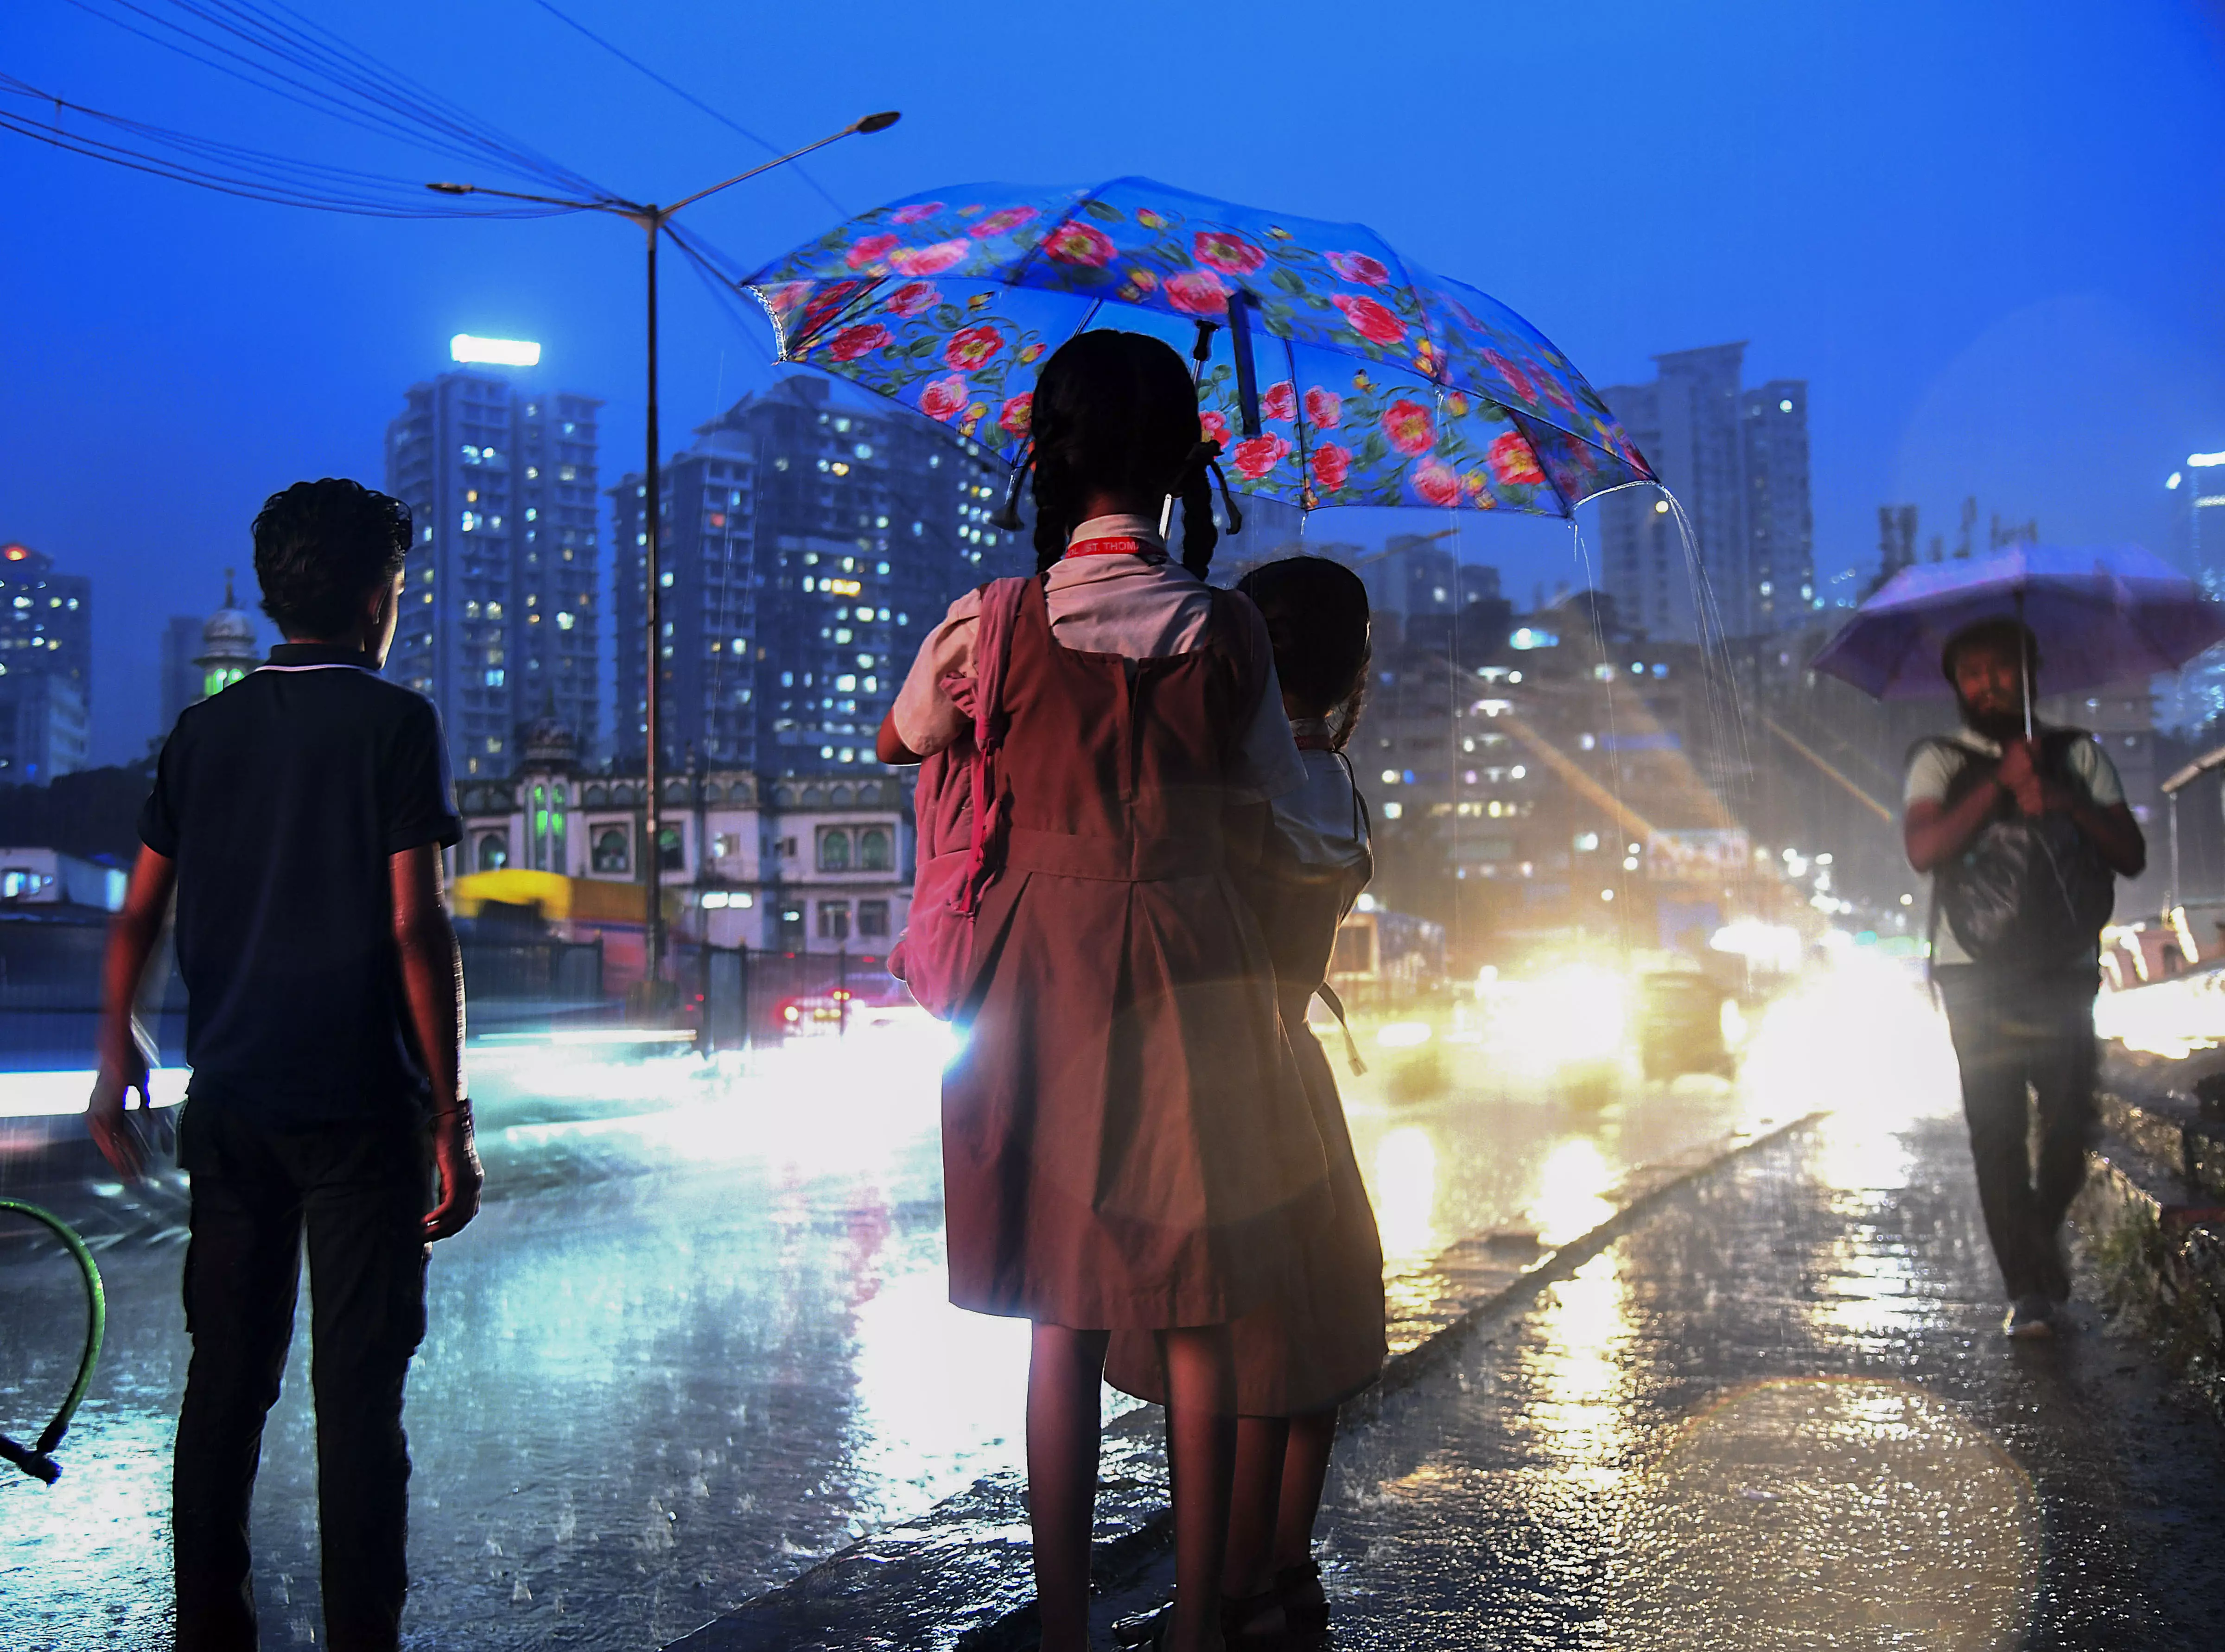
{"x": 1115, "y": 412}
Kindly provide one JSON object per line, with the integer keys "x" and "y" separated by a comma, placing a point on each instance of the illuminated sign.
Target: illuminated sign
{"x": 845, "y": 587}
{"x": 501, "y": 352}
{"x": 14, "y": 553}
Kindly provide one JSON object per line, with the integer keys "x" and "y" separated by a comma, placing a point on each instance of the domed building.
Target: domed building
{"x": 202, "y": 657}
{"x": 228, "y": 646}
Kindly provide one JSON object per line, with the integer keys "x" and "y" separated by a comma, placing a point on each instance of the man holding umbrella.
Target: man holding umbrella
{"x": 2022, "y": 827}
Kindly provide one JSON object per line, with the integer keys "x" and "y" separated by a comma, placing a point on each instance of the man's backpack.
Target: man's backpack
{"x": 2026, "y": 893}
{"x": 960, "y": 815}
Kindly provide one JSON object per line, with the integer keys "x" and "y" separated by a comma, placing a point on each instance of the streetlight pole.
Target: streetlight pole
{"x": 652, "y": 517}
{"x": 653, "y": 219}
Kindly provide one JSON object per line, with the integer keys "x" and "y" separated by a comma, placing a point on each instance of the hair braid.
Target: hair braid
{"x": 1115, "y": 413}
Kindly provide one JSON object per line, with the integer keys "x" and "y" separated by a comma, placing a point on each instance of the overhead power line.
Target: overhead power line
{"x": 274, "y": 48}
{"x": 689, "y": 97}
{"x": 228, "y": 168}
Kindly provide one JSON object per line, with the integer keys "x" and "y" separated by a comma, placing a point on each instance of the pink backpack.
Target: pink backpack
{"x": 959, "y": 813}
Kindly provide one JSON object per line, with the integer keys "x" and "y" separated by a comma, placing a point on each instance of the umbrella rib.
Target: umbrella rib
{"x": 1568, "y": 505}
{"x": 1430, "y": 323}
{"x": 1081, "y": 198}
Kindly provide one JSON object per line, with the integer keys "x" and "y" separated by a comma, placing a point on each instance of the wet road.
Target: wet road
{"x": 696, "y": 1340}
{"x": 1779, "y": 1412}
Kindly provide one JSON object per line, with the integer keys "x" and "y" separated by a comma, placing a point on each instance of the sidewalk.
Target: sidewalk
{"x": 1779, "y": 1412}
{"x": 1769, "y": 1406}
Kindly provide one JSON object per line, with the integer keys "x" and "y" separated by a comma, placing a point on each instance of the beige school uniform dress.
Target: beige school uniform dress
{"x": 1126, "y": 1143}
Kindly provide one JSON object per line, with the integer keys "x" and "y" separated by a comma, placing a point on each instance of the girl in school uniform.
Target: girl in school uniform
{"x": 1299, "y": 1357}
{"x": 1127, "y": 1146}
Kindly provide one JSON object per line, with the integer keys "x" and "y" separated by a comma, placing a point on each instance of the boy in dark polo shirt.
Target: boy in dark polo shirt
{"x": 300, "y": 816}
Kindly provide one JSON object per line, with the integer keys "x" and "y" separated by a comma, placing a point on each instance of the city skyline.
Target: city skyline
{"x": 2002, "y": 301}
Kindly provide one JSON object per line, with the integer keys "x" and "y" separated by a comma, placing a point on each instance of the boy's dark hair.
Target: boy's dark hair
{"x": 1117, "y": 411}
{"x": 1316, "y": 615}
{"x": 2008, "y": 637}
{"x": 320, "y": 547}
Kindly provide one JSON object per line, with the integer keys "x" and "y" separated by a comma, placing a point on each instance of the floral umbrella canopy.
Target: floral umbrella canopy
{"x": 1338, "y": 373}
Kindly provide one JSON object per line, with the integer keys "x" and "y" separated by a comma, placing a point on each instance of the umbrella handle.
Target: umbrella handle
{"x": 2024, "y": 661}
{"x": 1247, "y": 375}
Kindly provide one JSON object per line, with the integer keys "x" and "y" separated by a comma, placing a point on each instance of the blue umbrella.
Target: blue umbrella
{"x": 1333, "y": 371}
{"x": 2109, "y": 615}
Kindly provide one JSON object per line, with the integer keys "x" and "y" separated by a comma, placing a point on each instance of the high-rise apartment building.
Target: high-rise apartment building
{"x": 2197, "y": 512}
{"x": 1737, "y": 460}
{"x": 2196, "y": 699}
{"x": 45, "y": 620}
{"x": 805, "y": 549}
{"x": 501, "y": 602}
{"x": 46, "y": 667}
{"x": 1779, "y": 575}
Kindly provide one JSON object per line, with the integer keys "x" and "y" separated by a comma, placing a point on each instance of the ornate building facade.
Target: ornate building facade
{"x": 788, "y": 864}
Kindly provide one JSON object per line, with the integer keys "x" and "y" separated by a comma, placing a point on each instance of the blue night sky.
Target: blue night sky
{"x": 1987, "y": 234}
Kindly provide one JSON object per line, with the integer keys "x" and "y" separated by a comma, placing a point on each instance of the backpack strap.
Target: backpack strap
{"x": 1336, "y": 1008}
{"x": 992, "y": 656}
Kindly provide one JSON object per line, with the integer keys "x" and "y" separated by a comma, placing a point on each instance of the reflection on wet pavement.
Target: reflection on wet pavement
{"x": 697, "y": 1339}
{"x": 1778, "y": 1413}
{"x": 1865, "y": 1511}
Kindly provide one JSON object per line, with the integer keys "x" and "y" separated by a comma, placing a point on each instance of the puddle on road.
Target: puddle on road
{"x": 1827, "y": 1513}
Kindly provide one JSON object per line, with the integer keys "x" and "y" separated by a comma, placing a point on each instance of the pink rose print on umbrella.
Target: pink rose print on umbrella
{"x": 1556, "y": 393}
{"x": 1323, "y": 409}
{"x": 1479, "y": 490}
{"x": 1436, "y": 482}
{"x": 873, "y": 249}
{"x": 969, "y": 347}
{"x": 854, "y": 342}
{"x": 1512, "y": 461}
{"x": 1523, "y": 385}
{"x": 1332, "y": 464}
{"x": 912, "y": 298}
{"x": 1408, "y": 428}
{"x": 997, "y": 223}
{"x": 1197, "y": 292}
{"x": 1358, "y": 267}
{"x": 943, "y": 398}
{"x": 1279, "y": 401}
{"x": 1080, "y": 244}
{"x": 1215, "y": 426}
{"x": 1019, "y": 414}
{"x": 916, "y": 212}
{"x": 1224, "y": 252}
{"x": 928, "y": 261}
{"x": 1370, "y": 319}
{"x": 786, "y": 298}
{"x": 1260, "y": 454}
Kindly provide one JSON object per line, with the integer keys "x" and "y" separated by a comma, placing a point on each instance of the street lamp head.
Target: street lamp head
{"x": 451, "y": 189}
{"x": 880, "y": 122}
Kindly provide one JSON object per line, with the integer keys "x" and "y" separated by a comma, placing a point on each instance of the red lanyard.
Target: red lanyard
{"x": 1115, "y": 545}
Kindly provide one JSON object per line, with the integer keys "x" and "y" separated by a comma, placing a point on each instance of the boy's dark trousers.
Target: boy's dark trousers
{"x": 359, "y": 1192}
{"x": 2012, "y": 1031}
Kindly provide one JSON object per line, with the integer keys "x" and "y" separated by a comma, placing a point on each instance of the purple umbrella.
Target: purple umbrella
{"x": 2115, "y": 614}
